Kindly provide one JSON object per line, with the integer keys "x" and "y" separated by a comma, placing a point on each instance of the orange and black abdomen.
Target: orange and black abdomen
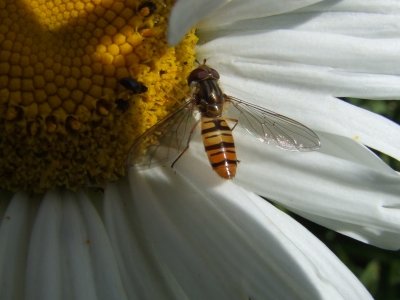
{"x": 219, "y": 145}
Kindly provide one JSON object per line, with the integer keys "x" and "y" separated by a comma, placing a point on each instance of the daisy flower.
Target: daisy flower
{"x": 185, "y": 233}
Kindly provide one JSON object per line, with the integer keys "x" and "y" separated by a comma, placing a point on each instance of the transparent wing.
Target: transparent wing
{"x": 272, "y": 128}
{"x": 163, "y": 141}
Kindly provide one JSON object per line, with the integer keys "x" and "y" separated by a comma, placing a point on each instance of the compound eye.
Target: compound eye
{"x": 214, "y": 74}
{"x": 197, "y": 74}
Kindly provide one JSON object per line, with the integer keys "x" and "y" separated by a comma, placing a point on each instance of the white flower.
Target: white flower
{"x": 185, "y": 233}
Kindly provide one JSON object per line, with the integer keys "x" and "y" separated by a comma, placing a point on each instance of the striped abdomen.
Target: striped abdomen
{"x": 219, "y": 145}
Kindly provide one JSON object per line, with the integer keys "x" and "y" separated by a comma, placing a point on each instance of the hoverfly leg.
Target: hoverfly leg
{"x": 178, "y": 89}
{"x": 188, "y": 142}
{"x": 232, "y": 120}
{"x": 236, "y": 122}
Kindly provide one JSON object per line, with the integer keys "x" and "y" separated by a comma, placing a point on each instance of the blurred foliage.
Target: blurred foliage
{"x": 377, "y": 269}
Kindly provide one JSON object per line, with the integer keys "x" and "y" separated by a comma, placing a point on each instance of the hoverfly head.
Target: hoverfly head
{"x": 202, "y": 72}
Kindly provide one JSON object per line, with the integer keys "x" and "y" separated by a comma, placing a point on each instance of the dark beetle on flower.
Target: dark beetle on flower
{"x": 133, "y": 85}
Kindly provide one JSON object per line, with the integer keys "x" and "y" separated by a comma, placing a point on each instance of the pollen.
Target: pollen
{"x": 60, "y": 62}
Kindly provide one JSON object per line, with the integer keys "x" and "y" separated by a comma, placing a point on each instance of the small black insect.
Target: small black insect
{"x": 147, "y": 8}
{"x": 133, "y": 85}
{"x": 122, "y": 105}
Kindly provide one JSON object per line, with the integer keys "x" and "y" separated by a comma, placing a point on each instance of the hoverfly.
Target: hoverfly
{"x": 171, "y": 136}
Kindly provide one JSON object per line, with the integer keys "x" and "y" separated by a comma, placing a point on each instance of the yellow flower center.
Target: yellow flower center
{"x": 64, "y": 118}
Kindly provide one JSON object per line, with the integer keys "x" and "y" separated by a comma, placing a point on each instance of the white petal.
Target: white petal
{"x": 142, "y": 276}
{"x": 14, "y": 239}
{"x": 386, "y": 7}
{"x": 70, "y": 256}
{"x": 372, "y": 20}
{"x": 5, "y": 198}
{"x": 327, "y": 264}
{"x": 220, "y": 242}
{"x": 57, "y": 261}
{"x": 334, "y": 64}
{"x": 250, "y": 9}
{"x": 367, "y": 19}
{"x": 333, "y": 47}
{"x": 186, "y": 14}
{"x": 344, "y": 190}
